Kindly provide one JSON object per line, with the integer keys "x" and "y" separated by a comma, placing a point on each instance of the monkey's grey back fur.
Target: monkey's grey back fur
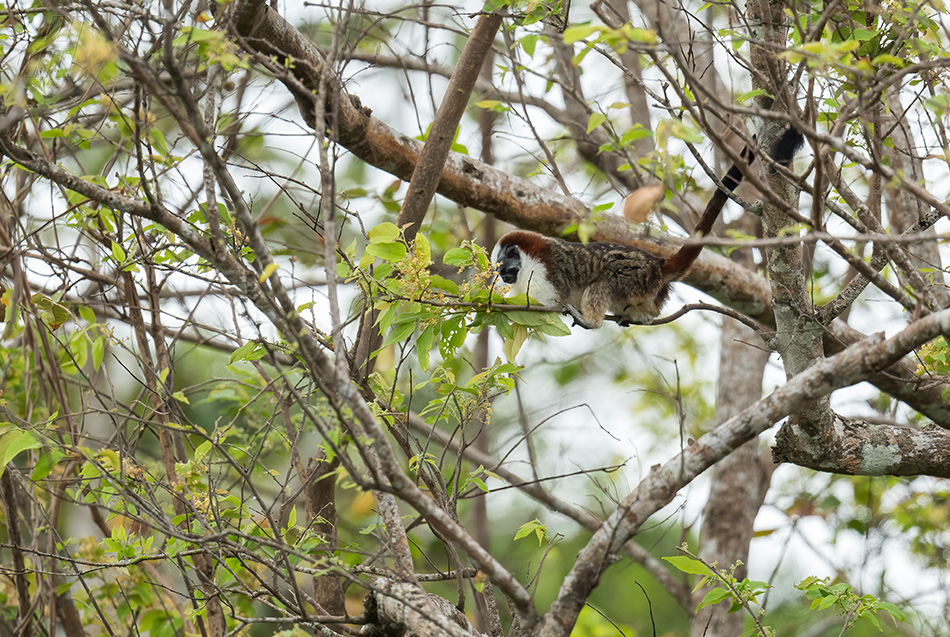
{"x": 598, "y": 278}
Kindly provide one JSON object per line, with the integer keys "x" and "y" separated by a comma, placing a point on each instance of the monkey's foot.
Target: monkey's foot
{"x": 627, "y": 321}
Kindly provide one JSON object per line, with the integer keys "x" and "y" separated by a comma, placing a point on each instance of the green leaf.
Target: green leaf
{"x": 400, "y": 333}
{"x": 201, "y": 451}
{"x": 46, "y": 463}
{"x": 13, "y": 442}
{"x": 441, "y": 283}
{"x": 423, "y": 345}
{"x": 86, "y": 313}
{"x": 478, "y": 482}
{"x": 242, "y": 352}
{"x": 826, "y": 602}
{"x": 158, "y": 139}
{"x": 118, "y": 252}
{"x": 488, "y": 105}
{"x": 715, "y": 596}
{"x": 385, "y": 232}
{"x": 524, "y": 317}
{"x": 745, "y": 97}
{"x": 387, "y": 315}
{"x": 269, "y": 269}
{"x": 576, "y": 33}
{"x": 98, "y": 352}
{"x": 423, "y": 249}
{"x": 689, "y": 565}
{"x": 892, "y": 610}
{"x": 391, "y": 252}
{"x": 554, "y": 326}
{"x": 528, "y": 43}
{"x": 595, "y": 120}
{"x": 885, "y": 58}
{"x": 635, "y": 133}
{"x": 513, "y": 344}
{"x": 534, "y": 526}
{"x": 871, "y": 618}
{"x": 450, "y": 328}
{"x": 457, "y": 257}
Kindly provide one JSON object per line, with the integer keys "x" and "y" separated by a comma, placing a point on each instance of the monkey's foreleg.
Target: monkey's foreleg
{"x": 594, "y": 304}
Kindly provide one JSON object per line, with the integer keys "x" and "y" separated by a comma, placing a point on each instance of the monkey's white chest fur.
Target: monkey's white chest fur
{"x": 533, "y": 281}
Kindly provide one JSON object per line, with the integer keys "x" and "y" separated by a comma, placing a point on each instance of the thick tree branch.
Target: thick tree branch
{"x": 926, "y": 395}
{"x": 465, "y": 180}
{"x": 19, "y": 577}
{"x": 395, "y": 605}
{"x": 426, "y": 176}
{"x": 860, "y": 448}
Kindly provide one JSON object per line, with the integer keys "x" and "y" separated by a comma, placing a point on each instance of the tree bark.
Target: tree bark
{"x": 428, "y": 169}
{"x": 855, "y": 447}
{"x": 739, "y": 481}
{"x": 906, "y": 210}
{"x": 321, "y": 505}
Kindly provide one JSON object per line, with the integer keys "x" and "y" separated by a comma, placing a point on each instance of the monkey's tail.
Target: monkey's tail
{"x": 783, "y": 152}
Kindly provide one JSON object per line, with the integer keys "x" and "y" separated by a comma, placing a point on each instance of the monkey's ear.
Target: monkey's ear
{"x": 638, "y": 204}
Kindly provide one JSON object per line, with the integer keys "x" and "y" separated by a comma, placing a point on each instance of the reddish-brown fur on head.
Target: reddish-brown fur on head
{"x": 531, "y": 243}
{"x": 535, "y": 245}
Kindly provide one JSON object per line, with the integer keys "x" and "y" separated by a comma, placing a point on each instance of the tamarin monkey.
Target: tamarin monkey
{"x": 590, "y": 280}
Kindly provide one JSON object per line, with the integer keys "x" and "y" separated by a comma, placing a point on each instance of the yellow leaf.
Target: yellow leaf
{"x": 638, "y": 204}
{"x": 269, "y": 270}
{"x": 513, "y": 345}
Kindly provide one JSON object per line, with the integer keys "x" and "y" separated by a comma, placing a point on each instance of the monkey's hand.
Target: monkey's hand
{"x": 578, "y": 317}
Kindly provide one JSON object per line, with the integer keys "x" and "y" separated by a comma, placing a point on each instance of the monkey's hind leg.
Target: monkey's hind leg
{"x": 624, "y": 320}
{"x": 641, "y": 313}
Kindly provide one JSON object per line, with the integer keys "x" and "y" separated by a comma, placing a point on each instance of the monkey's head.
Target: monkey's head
{"x": 507, "y": 260}
{"x": 523, "y": 260}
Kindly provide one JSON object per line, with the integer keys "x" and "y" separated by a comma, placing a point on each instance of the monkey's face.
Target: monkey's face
{"x": 523, "y": 273}
{"x": 507, "y": 260}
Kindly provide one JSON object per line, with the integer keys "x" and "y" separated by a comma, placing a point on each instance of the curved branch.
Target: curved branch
{"x": 465, "y": 180}
{"x": 658, "y": 489}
